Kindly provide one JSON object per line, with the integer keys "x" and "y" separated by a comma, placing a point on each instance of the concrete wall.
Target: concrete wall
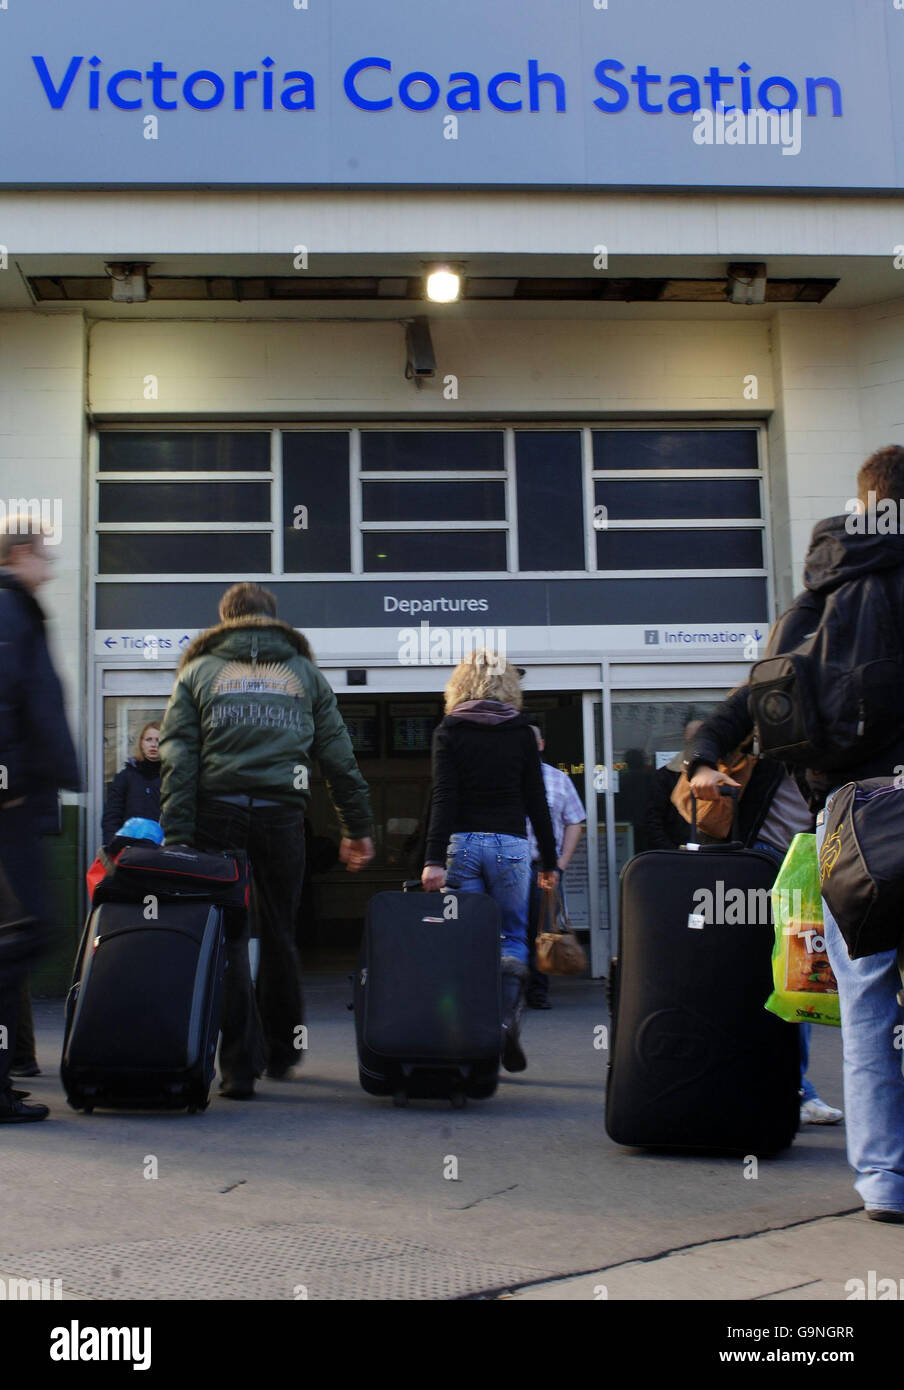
{"x": 42, "y": 449}
{"x": 816, "y": 436}
{"x": 269, "y": 369}
{"x": 880, "y": 361}
{"x": 839, "y": 394}
{"x": 133, "y": 223}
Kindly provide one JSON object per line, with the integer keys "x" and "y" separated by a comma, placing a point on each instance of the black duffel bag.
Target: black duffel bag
{"x": 174, "y": 873}
{"x": 861, "y": 865}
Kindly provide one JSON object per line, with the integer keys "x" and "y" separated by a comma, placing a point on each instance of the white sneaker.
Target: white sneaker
{"x": 816, "y": 1112}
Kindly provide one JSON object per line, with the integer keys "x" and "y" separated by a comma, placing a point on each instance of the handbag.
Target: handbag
{"x": 558, "y": 951}
{"x": 714, "y": 817}
{"x": 861, "y": 865}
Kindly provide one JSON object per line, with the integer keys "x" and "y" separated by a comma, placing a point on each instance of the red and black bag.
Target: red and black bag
{"x": 176, "y": 873}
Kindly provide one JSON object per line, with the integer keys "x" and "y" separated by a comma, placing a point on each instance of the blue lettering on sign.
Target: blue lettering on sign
{"x": 368, "y": 88}
{"x": 203, "y": 90}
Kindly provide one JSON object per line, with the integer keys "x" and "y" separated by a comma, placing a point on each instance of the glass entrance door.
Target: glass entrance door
{"x": 637, "y": 738}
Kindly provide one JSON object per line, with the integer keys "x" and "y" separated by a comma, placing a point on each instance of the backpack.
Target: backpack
{"x": 835, "y": 695}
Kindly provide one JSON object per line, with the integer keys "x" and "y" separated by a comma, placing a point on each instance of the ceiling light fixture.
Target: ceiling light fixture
{"x": 443, "y": 284}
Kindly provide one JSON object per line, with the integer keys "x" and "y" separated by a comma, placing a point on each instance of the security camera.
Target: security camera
{"x": 419, "y": 345}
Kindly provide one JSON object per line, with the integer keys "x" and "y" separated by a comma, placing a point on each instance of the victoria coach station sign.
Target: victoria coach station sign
{"x": 575, "y": 93}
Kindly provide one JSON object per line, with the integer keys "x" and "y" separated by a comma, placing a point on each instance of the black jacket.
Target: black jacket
{"x": 130, "y": 794}
{"x": 664, "y": 825}
{"x": 835, "y": 556}
{"x": 35, "y": 744}
{"x": 487, "y": 777}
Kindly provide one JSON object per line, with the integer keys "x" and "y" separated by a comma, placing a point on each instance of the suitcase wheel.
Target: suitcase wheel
{"x": 400, "y": 1099}
{"x": 459, "y": 1100}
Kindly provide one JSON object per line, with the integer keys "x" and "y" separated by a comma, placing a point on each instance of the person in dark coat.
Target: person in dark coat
{"x": 664, "y": 824}
{"x": 37, "y": 757}
{"x": 135, "y": 790}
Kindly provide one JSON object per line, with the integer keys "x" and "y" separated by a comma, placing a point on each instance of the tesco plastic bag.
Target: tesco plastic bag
{"x": 804, "y": 986}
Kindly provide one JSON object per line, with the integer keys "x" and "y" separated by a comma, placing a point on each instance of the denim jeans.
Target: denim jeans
{"x": 479, "y": 862}
{"x": 873, "y": 1079}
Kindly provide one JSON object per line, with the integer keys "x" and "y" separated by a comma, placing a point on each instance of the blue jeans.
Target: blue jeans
{"x": 807, "y": 1089}
{"x": 479, "y": 862}
{"x": 873, "y": 1079}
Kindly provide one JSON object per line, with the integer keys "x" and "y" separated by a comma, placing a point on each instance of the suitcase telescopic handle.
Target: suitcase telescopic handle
{"x": 416, "y": 883}
{"x": 734, "y": 793}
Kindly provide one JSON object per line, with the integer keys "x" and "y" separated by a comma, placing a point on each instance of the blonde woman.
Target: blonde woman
{"x": 135, "y": 790}
{"x": 487, "y": 781}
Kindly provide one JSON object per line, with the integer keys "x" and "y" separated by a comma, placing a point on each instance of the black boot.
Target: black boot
{"x": 514, "y": 986}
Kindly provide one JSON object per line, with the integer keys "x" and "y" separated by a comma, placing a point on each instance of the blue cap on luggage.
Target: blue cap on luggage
{"x": 137, "y": 828}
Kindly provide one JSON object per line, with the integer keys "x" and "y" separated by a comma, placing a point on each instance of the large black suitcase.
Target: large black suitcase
{"x": 696, "y": 1061}
{"x": 428, "y": 1013}
{"x": 143, "y": 1013}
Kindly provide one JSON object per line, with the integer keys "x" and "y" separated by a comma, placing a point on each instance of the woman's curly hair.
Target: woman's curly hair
{"x": 483, "y": 675}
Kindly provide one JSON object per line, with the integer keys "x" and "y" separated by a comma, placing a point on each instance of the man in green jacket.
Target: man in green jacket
{"x": 249, "y": 713}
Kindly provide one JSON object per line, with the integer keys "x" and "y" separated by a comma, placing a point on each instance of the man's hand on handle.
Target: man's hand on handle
{"x": 706, "y": 782}
{"x": 548, "y": 880}
{"x": 356, "y": 853}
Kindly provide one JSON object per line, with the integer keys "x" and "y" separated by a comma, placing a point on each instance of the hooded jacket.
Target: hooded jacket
{"x": 836, "y": 555}
{"x": 36, "y": 749}
{"x": 249, "y": 713}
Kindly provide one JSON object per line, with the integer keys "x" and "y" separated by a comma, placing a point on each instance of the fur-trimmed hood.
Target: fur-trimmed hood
{"x": 269, "y": 628}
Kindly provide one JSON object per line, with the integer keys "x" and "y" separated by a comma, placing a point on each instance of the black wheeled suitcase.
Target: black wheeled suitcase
{"x": 696, "y": 1061}
{"x": 143, "y": 1012}
{"x": 428, "y": 1014}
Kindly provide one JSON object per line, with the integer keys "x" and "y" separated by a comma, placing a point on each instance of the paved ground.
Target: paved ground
{"x": 316, "y": 1189}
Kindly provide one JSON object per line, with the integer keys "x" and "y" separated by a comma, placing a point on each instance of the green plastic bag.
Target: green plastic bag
{"x": 805, "y": 990}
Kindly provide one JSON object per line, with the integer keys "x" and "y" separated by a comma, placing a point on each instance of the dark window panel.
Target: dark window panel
{"x": 184, "y": 552}
{"x": 679, "y": 550}
{"x": 675, "y": 449}
{"x": 664, "y": 498}
{"x": 550, "y": 500}
{"x": 425, "y": 551}
{"x": 397, "y": 451}
{"x": 146, "y": 501}
{"x": 315, "y": 475}
{"x": 153, "y": 451}
{"x": 445, "y": 501}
